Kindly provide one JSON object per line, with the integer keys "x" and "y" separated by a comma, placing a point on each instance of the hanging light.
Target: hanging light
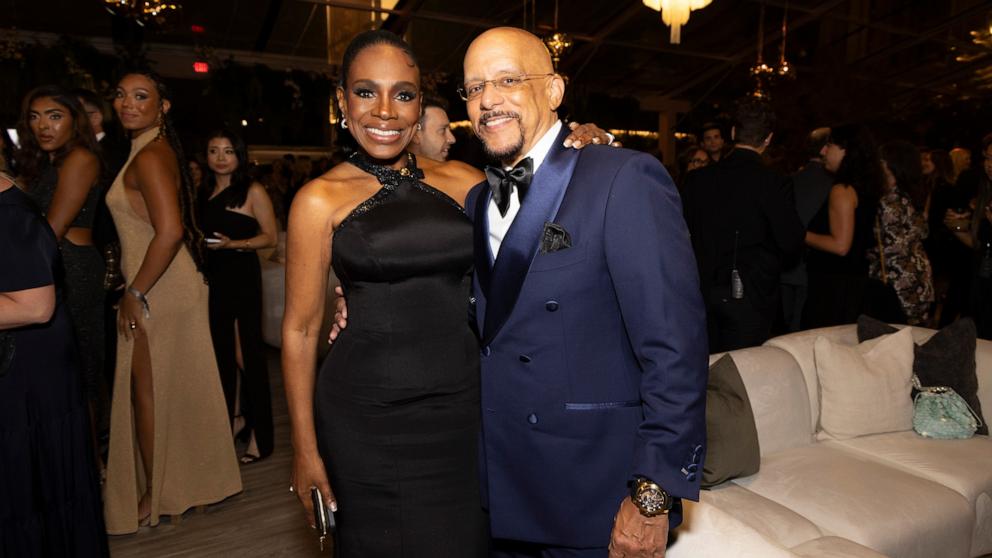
{"x": 784, "y": 69}
{"x": 558, "y": 43}
{"x": 144, "y": 12}
{"x": 675, "y": 13}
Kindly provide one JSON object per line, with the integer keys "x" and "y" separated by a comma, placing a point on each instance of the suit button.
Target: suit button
{"x": 551, "y": 306}
{"x": 532, "y": 418}
{"x": 471, "y": 300}
{"x": 486, "y": 351}
{"x": 690, "y": 477}
{"x": 692, "y": 468}
{"x": 524, "y": 358}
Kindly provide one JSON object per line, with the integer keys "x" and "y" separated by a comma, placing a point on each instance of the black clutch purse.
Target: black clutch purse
{"x": 323, "y": 517}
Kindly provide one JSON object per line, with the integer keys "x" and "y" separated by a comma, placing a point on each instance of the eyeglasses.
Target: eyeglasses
{"x": 505, "y": 84}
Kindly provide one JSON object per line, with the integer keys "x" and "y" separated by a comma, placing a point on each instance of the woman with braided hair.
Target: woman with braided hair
{"x": 184, "y": 454}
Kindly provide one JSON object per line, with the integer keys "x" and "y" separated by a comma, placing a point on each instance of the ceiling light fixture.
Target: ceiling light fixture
{"x": 675, "y": 14}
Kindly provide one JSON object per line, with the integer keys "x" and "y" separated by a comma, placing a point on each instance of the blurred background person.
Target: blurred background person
{"x": 7, "y": 153}
{"x": 196, "y": 172}
{"x": 50, "y": 492}
{"x": 238, "y": 219}
{"x": 742, "y": 219}
{"x": 810, "y": 187}
{"x": 841, "y": 231}
{"x": 897, "y": 258}
{"x": 961, "y": 158}
{"x": 950, "y": 260}
{"x": 170, "y": 439}
{"x": 978, "y": 236}
{"x": 713, "y": 142}
{"x": 60, "y": 168}
{"x": 433, "y": 138}
{"x": 692, "y": 158}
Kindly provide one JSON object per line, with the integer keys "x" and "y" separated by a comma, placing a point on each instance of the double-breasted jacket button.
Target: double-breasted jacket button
{"x": 551, "y": 306}
{"x": 486, "y": 351}
{"x": 532, "y": 418}
{"x": 524, "y": 359}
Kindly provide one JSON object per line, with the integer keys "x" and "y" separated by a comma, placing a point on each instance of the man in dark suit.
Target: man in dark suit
{"x": 594, "y": 359}
{"x": 744, "y": 227}
{"x": 811, "y": 186}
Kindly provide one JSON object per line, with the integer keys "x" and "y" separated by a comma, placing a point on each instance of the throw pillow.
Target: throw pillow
{"x": 865, "y": 389}
{"x": 731, "y": 437}
{"x": 946, "y": 359}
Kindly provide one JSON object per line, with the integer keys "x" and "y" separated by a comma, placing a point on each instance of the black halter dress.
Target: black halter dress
{"x": 397, "y": 399}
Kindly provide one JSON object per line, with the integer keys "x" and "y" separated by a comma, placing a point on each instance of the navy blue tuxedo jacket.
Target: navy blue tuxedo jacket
{"x": 594, "y": 357}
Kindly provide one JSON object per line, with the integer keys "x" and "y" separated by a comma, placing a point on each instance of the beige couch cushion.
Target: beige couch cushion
{"x": 775, "y": 386}
{"x": 770, "y": 519}
{"x": 865, "y": 389}
{"x": 964, "y": 466}
{"x": 857, "y": 498}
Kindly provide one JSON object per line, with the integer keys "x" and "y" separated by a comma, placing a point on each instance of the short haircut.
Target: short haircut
{"x": 429, "y": 100}
{"x": 710, "y": 126}
{"x": 816, "y": 140}
{"x": 755, "y": 120}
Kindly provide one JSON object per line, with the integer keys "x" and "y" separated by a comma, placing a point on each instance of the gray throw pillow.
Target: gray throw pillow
{"x": 731, "y": 437}
{"x": 946, "y": 359}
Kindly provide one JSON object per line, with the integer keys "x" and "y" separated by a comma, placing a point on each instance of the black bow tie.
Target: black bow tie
{"x": 501, "y": 182}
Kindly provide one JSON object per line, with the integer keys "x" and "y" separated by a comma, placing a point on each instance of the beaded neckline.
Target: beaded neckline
{"x": 385, "y": 175}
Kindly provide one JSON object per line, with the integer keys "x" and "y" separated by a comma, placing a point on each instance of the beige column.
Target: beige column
{"x": 668, "y": 115}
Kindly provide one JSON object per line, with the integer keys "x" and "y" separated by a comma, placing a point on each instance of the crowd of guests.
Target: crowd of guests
{"x": 894, "y": 231}
{"x": 137, "y": 292}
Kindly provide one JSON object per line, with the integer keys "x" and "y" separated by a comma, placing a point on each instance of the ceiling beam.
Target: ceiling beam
{"x": 398, "y": 23}
{"x": 268, "y": 24}
{"x": 742, "y": 54}
{"x": 587, "y": 51}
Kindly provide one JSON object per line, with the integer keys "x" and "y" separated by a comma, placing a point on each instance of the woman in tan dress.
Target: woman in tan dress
{"x": 172, "y": 449}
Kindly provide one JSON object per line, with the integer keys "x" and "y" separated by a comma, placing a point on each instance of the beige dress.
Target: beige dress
{"x": 194, "y": 457}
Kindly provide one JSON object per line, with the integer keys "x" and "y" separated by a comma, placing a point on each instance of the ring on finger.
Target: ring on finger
{"x": 132, "y": 325}
{"x": 292, "y": 488}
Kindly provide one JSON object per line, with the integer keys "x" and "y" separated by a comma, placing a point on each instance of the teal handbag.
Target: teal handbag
{"x": 939, "y": 412}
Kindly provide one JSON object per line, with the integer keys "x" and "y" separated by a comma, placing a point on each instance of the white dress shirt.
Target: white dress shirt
{"x": 499, "y": 224}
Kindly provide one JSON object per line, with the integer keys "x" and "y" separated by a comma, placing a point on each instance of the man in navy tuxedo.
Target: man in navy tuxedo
{"x": 592, "y": 326}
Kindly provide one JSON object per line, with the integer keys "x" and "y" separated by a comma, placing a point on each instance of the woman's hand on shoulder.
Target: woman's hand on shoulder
{"x": 586, "y": 134}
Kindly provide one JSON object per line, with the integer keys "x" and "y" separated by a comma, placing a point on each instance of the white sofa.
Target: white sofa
{"x": 897, "y": 494}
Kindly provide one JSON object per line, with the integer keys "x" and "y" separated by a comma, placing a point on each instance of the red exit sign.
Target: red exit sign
{"x": 201, "y": 67}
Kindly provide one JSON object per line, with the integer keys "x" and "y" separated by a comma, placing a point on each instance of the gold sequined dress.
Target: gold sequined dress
{"x": 194, "y": 458}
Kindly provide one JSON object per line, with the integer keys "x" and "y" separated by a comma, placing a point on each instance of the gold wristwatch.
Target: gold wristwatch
{"x": 650, "y": 499}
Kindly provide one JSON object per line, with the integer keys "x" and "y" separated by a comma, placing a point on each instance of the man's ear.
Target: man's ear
{"x": 556, "y": 91}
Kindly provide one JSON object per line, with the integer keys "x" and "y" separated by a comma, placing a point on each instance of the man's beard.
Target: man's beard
{"x": 510, "y": 152}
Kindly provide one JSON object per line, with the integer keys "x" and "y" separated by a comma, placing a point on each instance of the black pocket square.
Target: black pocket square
{"x": 555, "y": 238}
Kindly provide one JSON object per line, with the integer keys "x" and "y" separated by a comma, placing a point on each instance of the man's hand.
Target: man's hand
{"x": 340, "y": 315}
{"x": 636, "y": 536}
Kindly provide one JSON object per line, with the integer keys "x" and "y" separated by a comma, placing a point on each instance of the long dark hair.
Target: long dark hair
{"x": 903, "y": 160}
{"x": 192, "y": 235}
{"x": 31, "y": 159}
{"x": 240, "y": 180}
{"x": 9, "y": 152}
{"x": 861, "y": 167}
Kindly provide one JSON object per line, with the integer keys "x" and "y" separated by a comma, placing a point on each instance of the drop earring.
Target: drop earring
{"x": 344, "y": 123}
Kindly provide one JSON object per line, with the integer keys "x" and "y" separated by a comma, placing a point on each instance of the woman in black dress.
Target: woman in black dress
{"x": 238, "y": 219}
{"x": 60, "y": 167}
{"x": 840, "y": 233}
{"x": 394, "y": 412}
{"x": 50, "y": 494}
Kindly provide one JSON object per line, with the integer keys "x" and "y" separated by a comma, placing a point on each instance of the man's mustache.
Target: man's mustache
{"x": 497, "y": 114}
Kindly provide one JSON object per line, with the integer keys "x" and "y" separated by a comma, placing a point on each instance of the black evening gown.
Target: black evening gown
{"x": 397, "y": 398}
{"x": 235, "y": 279}
{"x": 49, "y": 491}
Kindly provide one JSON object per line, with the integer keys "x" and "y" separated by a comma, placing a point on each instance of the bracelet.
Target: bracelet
{"x": 142, "y": 298}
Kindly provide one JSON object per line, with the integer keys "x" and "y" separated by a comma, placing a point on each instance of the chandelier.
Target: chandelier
{"x": 675, "y": 13}
{"x": 145, "y": 12}
{"x": 557, "y": 42}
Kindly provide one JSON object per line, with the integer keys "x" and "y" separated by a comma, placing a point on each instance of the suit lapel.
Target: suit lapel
{"x": 520, "y": 245}
{"x": 483, "y": 254}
